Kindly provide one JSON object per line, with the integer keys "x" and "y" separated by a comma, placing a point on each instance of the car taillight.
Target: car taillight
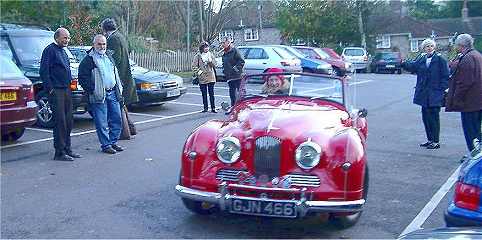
{"x": 73, "y": 84}
{"x": 30, "y": 95}
{"x": 467, "y": 196}
{"x": 365, "y": 58}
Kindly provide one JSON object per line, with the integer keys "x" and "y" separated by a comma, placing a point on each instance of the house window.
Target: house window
{"x": 226, "y": 34}
{"x": 383, "y": 41}
{"x": 414, "y": 45}
{"x": 251, "y": 34}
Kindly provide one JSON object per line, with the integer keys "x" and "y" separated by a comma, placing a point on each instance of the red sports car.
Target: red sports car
{"x": 291, "y": 147}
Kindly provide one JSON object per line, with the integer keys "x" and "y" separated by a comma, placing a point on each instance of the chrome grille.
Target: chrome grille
{"x": 228, "y": 175}
{"x": 267, "y": 156}
{"x": 304, "y": 180}
{"x": 167, "y": 85}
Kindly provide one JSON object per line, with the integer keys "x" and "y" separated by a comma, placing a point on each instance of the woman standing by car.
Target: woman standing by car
{"x": 432, "y": 80}
{"x": 203, "y": 67}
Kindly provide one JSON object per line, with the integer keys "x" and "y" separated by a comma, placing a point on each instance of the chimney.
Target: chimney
{"x": 465, "y": 12}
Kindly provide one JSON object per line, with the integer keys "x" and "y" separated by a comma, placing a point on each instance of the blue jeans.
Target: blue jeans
{"x": 108, "y": 120}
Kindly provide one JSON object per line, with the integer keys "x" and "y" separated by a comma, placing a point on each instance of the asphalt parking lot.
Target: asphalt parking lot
{"x": 131, "y": 194}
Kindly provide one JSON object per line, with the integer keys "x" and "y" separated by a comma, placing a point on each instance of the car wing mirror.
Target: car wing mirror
{"x": 225, "y": 106}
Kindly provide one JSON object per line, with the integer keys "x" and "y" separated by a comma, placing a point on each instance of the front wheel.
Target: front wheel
{"x": 201, "y": 208}
{"x": 349, "y": 220}
{"x": 45, "y": 116}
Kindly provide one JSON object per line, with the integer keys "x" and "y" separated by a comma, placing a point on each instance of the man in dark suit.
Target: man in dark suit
{"x": 465, "y": 89}
{"x": 117, "y": 44}
{"x": 56, "y": 77}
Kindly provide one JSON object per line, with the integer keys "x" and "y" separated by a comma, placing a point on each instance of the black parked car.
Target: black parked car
{"x": 386, "y": 62}
{"x": 24, "y": 45}
{"x": 153, "y": 87}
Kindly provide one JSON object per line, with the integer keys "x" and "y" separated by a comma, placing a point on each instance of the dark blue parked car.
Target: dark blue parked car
{"x": 309, "y": 65}
{"x": 466, "y": 208}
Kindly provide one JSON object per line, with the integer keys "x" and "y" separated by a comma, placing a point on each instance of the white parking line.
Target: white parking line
{"x": 40, "y": 130}
{"x": 422, "y": 216}
{"x": 146, "y": 115}
{"x": 362, "y": 82}
{"x": 198, "y": 94}
{"x": 187, "y": 104}
{"x": 157, "y": 118}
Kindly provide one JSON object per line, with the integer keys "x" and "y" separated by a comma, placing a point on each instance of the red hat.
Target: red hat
{"x": 274, "y": 70}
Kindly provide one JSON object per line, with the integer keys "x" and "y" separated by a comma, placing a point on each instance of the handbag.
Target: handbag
{"x": 195, "y": 80}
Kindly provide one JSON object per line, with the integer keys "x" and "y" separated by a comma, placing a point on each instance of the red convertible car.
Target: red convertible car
{"x": 290, "y": 148}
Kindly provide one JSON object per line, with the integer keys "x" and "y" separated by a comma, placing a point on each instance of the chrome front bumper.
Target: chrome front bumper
{"x": 303, "y": 206}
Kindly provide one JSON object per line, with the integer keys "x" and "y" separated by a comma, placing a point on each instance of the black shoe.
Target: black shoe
{"x": 63, "y": 157}
{"x": 433, "y": 145}
{"x": 205, "y": 110}
{"x": 425, "y": 144}
{"x": 73, "y": 155}
{"x": 214, "y": 111}
{"x": 109, "y": 150}
{"x": 117, "y": 148}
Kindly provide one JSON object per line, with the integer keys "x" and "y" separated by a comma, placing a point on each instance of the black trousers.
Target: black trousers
{"x": 233, "y": 90}
{"x": 205, "y": 88}
{"x": 471, "y": 122}
{"x": 61, "y": 101}
{"x": 431, "y": 121}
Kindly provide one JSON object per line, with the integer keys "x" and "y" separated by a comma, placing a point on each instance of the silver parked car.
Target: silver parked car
{"x": 258, "y": 59}
{"x": 357, "y": 56}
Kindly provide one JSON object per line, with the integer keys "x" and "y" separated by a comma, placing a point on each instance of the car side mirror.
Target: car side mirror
{"x": 225, "y": 106}
{"x": 363, "y": 113}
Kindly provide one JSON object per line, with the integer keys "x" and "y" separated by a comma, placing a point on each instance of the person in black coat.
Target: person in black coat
{"x": 233, "y": 64}
{"x": 432, "y": 80}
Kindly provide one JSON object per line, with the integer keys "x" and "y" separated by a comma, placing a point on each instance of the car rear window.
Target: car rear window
{"x": 309, "y": 53}
{"x": 8, "y": 69}
{"x": 283, "y": 54}
{"x": 256, "y": 53}
{"x": 389, "y": 56}
{"x": 354, "y": 52}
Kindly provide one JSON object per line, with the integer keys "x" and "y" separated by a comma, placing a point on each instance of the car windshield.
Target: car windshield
{"x": 79, "y": 53}
{"x": 8, "y": 69}
{"x": 293, "y": 52}
{"x": 309, "y": 53}
{"x": 29, "y": 48}
{"x": 282, "y": 53}
{"x": 354, "y": 52}
{"x": 285, "y": 84}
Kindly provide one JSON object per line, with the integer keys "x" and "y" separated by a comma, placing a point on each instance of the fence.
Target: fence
{"x": 164, "y": 62}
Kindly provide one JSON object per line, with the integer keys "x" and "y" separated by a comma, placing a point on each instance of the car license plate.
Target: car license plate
{"x": 263, "y": 208}
{"x": 390, "y": 66}
{"x": 173, "y": 93}
{"x": 8, "y": 96}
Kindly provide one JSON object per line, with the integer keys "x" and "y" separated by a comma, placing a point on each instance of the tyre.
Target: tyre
{"x": 45, "y": 116}
{"x": 201, "y": 208}
{"x": 13, "y": 135}
{"x": 307, "y": 70}
{"x": 346, "y": 221}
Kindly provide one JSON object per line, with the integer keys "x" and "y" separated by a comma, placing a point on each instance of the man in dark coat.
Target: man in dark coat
{"x": 117, "y": 44}
{"x": 233, "y": 64}
{"x": 432, "y": 80}
{"x": 56, "y": 76}
{"x": 465, "y": 89}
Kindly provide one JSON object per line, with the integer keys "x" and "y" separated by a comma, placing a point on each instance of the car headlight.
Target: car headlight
{"x": 228, "y": 149}
{"x": 308, "y": 155}
{"x": 180, "y": 82}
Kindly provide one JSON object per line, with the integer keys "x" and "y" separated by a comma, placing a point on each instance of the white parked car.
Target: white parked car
{"x": 357, "y": 56}
{"x": 258, "y": 59}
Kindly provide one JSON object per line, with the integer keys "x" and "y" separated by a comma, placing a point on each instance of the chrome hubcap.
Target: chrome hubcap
{"x": 45, "y": 111}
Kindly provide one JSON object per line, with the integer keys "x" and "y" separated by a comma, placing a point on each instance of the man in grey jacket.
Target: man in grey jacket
{"x": 99, "y": 77}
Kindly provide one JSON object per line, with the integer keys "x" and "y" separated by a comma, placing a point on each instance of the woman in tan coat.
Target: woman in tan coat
{"x": 203, "y": 67}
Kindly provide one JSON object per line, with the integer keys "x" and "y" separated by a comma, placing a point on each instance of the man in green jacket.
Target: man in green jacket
{"x": 117, "y": 44}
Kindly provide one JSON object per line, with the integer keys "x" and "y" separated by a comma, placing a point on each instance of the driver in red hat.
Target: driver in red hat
{"x": 275, "y": 84}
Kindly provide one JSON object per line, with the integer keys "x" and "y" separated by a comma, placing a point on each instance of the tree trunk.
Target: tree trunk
{"x": 360, "y": 27}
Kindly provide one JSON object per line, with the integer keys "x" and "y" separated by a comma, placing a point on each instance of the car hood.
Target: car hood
{"x": 286, "y": 119}
{"x": 146, "y": 75}
{"x": 32, "y": 70}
